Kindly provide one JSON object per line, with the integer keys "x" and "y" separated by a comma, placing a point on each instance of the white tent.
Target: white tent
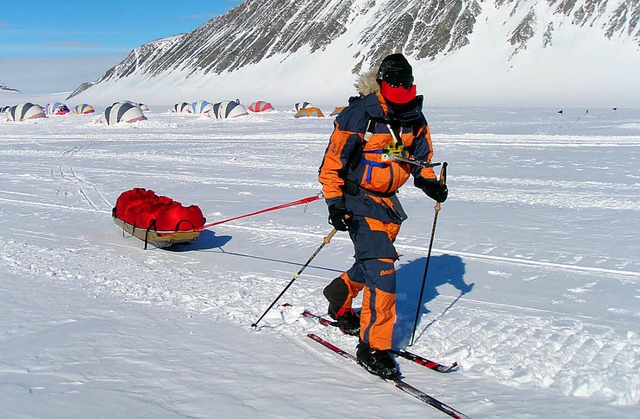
{"x": 301, "y": 105}
{"x": 25, "y": 111}
{"x": 228, "y": 109}
{"x": 200, "y": 107}
{"x": 56, "y": 108}
{"x": 180, "y": 107}
{"x": 122, "y": 112}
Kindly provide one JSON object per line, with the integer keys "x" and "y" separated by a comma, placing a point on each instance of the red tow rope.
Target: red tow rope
{"x": 277, "y": 207}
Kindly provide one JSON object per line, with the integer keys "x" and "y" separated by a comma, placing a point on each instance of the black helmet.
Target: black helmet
{"x": 396, "y": 71}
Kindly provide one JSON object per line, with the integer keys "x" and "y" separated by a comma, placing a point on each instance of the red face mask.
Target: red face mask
{"x": 398, "y": 94}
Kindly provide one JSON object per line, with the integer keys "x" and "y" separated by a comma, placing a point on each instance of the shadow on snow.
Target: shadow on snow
{"x": 209, "y": 241}
{"x": 443, "y": 270}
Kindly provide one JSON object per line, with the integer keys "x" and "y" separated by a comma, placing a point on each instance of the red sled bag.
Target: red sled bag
{"x": 177, "y": 217}
{"x": 157, "y": 219}
{"x": 129, "y": 199}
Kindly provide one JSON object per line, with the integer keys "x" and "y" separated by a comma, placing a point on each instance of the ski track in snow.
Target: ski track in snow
{"x": 568, "y": 354}
{"x": 519, "y": 343}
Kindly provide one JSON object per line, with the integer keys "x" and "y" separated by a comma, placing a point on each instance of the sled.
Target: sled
{"x": 157, "y": 220}
{"x": 158, "y": 238}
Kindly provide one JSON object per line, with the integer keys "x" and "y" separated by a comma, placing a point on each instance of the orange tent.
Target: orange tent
{"x": 337, "y": 110}
{"x": 305, "y": 112}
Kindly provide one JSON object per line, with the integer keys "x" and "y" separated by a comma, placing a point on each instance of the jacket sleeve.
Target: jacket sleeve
{"x": 423, "y": 151}
{"x": 337, "y": 157}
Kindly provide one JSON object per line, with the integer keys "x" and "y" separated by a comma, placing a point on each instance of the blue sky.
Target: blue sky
{"x": 71, "y": 27}
{"x": 78, "y": 41}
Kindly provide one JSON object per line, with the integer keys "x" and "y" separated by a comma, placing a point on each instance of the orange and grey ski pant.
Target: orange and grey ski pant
{"x": 374, "y": 272}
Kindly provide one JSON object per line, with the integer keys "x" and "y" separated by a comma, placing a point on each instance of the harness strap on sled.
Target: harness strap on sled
{"x": 152, "y": 224}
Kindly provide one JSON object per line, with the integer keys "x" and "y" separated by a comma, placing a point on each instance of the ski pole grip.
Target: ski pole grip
{"x": 443, "y": 173}
{"x": 442, "y": 181}
{"x": 327, "y": 239}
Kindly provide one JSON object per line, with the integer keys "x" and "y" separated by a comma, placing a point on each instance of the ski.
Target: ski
{"x": 432, "y": 365}
{"x": 399, "y": 383}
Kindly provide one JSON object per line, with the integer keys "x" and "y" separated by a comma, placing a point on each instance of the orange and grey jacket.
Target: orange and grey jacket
{"x": 356, "y": 167}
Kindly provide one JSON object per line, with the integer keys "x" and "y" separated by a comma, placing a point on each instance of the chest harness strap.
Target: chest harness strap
{"x": 394, "y": 148}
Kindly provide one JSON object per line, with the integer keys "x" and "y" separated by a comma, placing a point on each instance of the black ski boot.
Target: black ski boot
{"x": 377, "y": 362}
{"x": 348, "y": 320}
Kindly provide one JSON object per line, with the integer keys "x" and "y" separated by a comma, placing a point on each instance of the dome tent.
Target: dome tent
{"x": 309, "y": 112}
{"x": 140, "y": 105}
{"x": 260, "y": 106}
{"x": 200, "y": 107}
{"x": 228, "y": 109}
{"x": 180, "y": 107}
{"x": 57, "y": 108}
{"x": 122, "y": 112}
{"x": 25, "y": 111}
{"x": 337, "y": 110}
{"x": 83, "y": 109}
{"x": 301, "y": 105}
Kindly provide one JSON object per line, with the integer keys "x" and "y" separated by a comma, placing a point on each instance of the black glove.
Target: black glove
{"x": 339, "y": 216}
{"x": 437, "y": 191}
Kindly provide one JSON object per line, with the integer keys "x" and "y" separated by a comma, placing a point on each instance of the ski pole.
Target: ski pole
{"x": 325, "y": 241}
{"x": 443, "y": 180}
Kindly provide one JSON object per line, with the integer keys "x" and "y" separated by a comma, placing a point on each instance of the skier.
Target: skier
{"x": 360, "y": 174}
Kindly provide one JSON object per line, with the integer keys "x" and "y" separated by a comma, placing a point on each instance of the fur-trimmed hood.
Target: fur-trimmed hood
{"x": 367, "y": 83}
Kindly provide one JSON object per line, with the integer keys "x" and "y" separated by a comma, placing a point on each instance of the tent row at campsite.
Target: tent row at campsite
{"x": 230, "y": 109}
{"x": 129, "y": 112}
{"x": 126, "y": 111}
{"x": 219, "y": 110}
{"x": 27, "y": 110}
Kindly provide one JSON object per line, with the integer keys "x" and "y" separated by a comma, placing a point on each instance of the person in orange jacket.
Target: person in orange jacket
{"x": 379, "y": 141}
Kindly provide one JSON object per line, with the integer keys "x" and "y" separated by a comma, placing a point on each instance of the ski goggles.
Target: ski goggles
{"x": 398, "y": 79}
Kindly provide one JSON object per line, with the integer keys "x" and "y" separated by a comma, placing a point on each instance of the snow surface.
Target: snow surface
{"x": 533, "y": 286}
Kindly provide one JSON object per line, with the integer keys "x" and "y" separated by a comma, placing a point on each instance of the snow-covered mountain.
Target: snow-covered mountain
{"x": 5, "y": 88}
{"x": 464, "y": 51}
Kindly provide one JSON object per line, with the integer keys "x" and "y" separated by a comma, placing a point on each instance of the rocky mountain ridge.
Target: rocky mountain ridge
{"x": 425, "y": 30}
{"x": 5, "y": 88}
